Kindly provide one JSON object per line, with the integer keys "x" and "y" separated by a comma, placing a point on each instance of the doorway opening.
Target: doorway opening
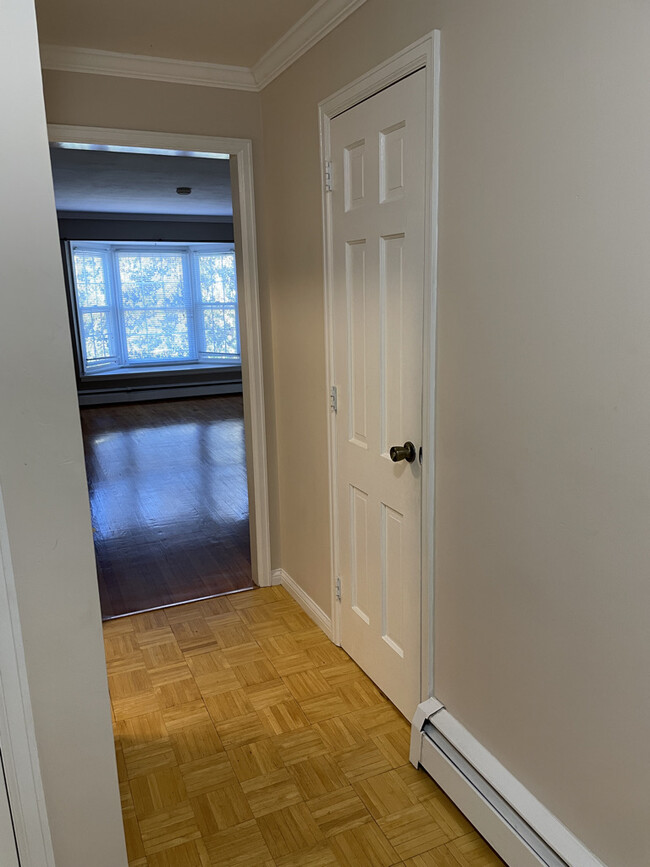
{"x": 157, "y": 235}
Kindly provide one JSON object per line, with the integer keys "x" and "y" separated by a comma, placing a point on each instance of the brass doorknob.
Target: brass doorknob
{"x": 403, "y": 453}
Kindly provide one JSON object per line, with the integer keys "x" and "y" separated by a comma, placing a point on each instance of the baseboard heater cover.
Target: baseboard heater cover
{"x": 517, "y": 826}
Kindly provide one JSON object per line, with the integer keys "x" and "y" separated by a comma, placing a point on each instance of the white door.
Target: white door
{"x": 8, "y": 853}
{"x": 378, "y": 219}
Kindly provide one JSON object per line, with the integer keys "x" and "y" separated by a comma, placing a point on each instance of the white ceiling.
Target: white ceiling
{"x": 232, "y": 32}
{"x": 126, "y": 183}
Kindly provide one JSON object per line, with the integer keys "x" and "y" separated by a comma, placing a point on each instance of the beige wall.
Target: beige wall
{"x": 43, "y": 480}
{"x": 96, "y": 100}
{"x": 543, "y": 474}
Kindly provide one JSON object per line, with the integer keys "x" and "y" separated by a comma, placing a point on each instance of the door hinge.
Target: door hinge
{"x": 334, "y": 399}
{"x": 338, "y": 588}
{"x": 328, "y": 176}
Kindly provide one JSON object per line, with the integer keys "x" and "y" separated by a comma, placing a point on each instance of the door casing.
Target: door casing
{"x": 423, "y": 54}
{"x": 249, "y": 307}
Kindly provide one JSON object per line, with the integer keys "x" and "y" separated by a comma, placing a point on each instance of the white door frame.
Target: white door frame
{"x": 423, "y": 54}
{"x": 17, "y": 734}
{"x": 248, "y": 294}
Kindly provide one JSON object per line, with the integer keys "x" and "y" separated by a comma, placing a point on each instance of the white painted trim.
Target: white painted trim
{"x": 467, "y": 786}
{"x": 248, "y": 287}
{"x": 17, "y": 735}
{"x": 279, "y": 576}
{"x": 423, "y": 54}
{"x": 305, "y": 33}
{"x": 68, "y": 58}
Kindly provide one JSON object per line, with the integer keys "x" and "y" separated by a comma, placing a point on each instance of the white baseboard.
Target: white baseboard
{"x": 279, "y": 576}
{"x": 517, "y": 826}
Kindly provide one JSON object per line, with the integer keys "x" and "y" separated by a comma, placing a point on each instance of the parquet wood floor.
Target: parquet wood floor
{"x": 245, "y": 737}
{"x": 169, "y": 501}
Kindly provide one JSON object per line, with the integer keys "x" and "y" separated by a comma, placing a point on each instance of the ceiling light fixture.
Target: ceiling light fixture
{"x": 183, "y": 191}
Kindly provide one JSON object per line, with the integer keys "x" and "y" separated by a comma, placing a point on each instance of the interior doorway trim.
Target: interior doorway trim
{"x": 423, "y": 54}
{"x": 17, "y": 734}
{"x": 241, "y": 151}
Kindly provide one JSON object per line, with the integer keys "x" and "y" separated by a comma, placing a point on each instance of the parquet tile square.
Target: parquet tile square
{"x": 320, "y": 855}
{"x": 148, "y": 758}
{"x": 364, "y": 846}
{"x": 228, "y": 705}
{"x": 289, "y": 831}
{"x": 475, "y": 851}
{"x": 139, "y": 730}
{"x": 272, "y": 792}
{"x": 412, "y": 831}
{"x": 242, "y": 654}
{"x": 134, "y": 844}
{"x": 169, "y": 828}
{"x": 194, "y": 636}
{"x": 307, "y": 684}
{"x": 213, "y": 673}
{"x": 220, "y": 809}
{"x": 324, "y": 707}
{"x": 292, "y": 663}
{"x": 341, "y": 733}
{"x": 158, "y": 791}
{"x": 186, "y": 715}
{"x": 230, "y": 635}
{"x": 119, "y": 645}
{"x": 252, "y": 673}
{"x": 174, "y": 685}
{"x": 205, "y": 775}
{"x": 317, "y": 776}
{"x": 193, "y": 854}
{"x": 149, "y": 621}
{"x": 161, "y": 654}
{"x": 263, "y": 695}
{"x": 339, "y": 811}
{"x": 242, "y": 730}
{"x": 447, "y": 816}
{"x": 360, "y": 694}
{"x": 196, "y": 742}
{"x": 216, "y": 606}
{"x": 286, "y": 716}
{"x": 279, "y": 646}
{"x": 384, "y": 794}
{"x": 394, "y": 746}
{"x": 361, "y": 762}
{"x": 240, "y": 846}
{"x": 255, "y": 760}
{"x": 300, "y": 745}
{"x": 243, "y": 736}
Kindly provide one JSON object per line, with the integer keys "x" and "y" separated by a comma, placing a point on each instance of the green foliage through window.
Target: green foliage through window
{"x": 155, "y": 304}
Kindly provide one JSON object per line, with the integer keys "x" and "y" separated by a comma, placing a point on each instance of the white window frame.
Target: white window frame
{"x": 194, "y": 304}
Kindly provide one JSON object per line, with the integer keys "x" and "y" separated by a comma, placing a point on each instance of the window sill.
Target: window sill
{"x": 160, "y": 370}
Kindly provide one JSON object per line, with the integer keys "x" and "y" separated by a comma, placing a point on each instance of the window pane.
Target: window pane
{"x": 218, "y": 278}
{"x": 220, "y": 330}
{"x": 156, "y": 335}
{"x": 151, "y": 281}
{"x": 96, "y": 336}
{"x": 89, "y": 280}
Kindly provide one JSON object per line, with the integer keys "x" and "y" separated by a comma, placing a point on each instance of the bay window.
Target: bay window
{"x": 155, "y": 304}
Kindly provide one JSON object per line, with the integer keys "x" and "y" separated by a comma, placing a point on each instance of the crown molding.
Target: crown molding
{"x": 305, "y": 33}
{"x": 95, "y": 62}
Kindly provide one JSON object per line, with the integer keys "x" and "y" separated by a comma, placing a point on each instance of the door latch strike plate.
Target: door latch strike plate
{"x": 338, "y": 588}
{"x": 334, "y": 399}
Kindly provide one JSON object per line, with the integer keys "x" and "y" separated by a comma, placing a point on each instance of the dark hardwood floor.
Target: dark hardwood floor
{"x": 169, "y": 501}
